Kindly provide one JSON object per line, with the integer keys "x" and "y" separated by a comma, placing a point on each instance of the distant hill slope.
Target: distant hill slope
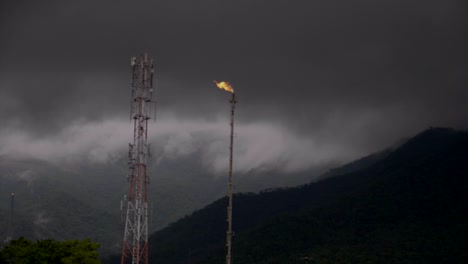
{"x": 80, "y": 198}
{"x": 410, "y": 206}
{"x": 53, "y": 203}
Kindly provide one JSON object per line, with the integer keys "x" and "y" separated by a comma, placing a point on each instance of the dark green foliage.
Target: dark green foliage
{"x": 408, "y": 207}
{"x": 23, "y": 251}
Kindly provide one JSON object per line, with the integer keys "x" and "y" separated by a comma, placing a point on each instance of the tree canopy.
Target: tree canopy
{"x": 23, "y": 251}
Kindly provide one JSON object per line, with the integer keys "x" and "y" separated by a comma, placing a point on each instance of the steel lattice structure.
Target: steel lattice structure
{"x": 135, "y": 241}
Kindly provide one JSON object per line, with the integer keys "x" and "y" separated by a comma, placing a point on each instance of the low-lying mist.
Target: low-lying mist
{"x": 259, "y": 146}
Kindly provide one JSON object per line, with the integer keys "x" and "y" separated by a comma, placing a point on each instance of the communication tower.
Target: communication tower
{"x": 135, "y": 206}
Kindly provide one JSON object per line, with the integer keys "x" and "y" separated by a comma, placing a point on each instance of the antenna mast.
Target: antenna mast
{"x": 135, "y": 241}
{"x": 9, "y": 235}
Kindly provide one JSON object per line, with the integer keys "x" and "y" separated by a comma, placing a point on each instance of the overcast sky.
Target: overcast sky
{"x": 316, "y": 80}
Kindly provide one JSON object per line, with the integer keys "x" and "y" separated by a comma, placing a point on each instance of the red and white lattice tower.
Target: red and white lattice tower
{"x": 135, "y": 240}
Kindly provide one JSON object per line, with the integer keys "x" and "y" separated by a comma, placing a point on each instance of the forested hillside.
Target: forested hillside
{"x": 81, "y": 199}
{"x": 407, "y": 207}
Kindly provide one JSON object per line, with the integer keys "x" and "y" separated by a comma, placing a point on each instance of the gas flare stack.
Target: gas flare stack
{"x": 229, "y": 233}
{"x": 135, "y": 206}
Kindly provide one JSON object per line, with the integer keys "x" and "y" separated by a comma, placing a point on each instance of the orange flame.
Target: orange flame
{"x": 224, "y": 86}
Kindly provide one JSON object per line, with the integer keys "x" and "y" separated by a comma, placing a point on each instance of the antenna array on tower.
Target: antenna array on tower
{"x": 135, "y": 241}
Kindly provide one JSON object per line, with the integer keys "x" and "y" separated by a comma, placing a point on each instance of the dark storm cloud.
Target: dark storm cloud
{"x": 363, "y": 73}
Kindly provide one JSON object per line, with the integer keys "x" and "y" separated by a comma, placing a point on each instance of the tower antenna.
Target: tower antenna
{"x": 10, "y": 231}
{"x": 135, "y": 240}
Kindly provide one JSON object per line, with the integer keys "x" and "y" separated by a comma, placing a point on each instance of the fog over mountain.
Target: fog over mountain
{"x": 317, "y": 82}
{"x": 257, "y": 146}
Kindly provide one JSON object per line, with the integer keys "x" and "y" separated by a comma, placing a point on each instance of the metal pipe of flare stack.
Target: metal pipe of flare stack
{"x": 229, "y": 232}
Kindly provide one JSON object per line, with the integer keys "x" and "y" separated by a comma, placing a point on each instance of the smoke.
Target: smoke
{"x": 256, "y": 145}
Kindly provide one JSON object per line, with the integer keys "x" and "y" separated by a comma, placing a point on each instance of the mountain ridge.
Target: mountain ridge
{"x": 359, "y": 210}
